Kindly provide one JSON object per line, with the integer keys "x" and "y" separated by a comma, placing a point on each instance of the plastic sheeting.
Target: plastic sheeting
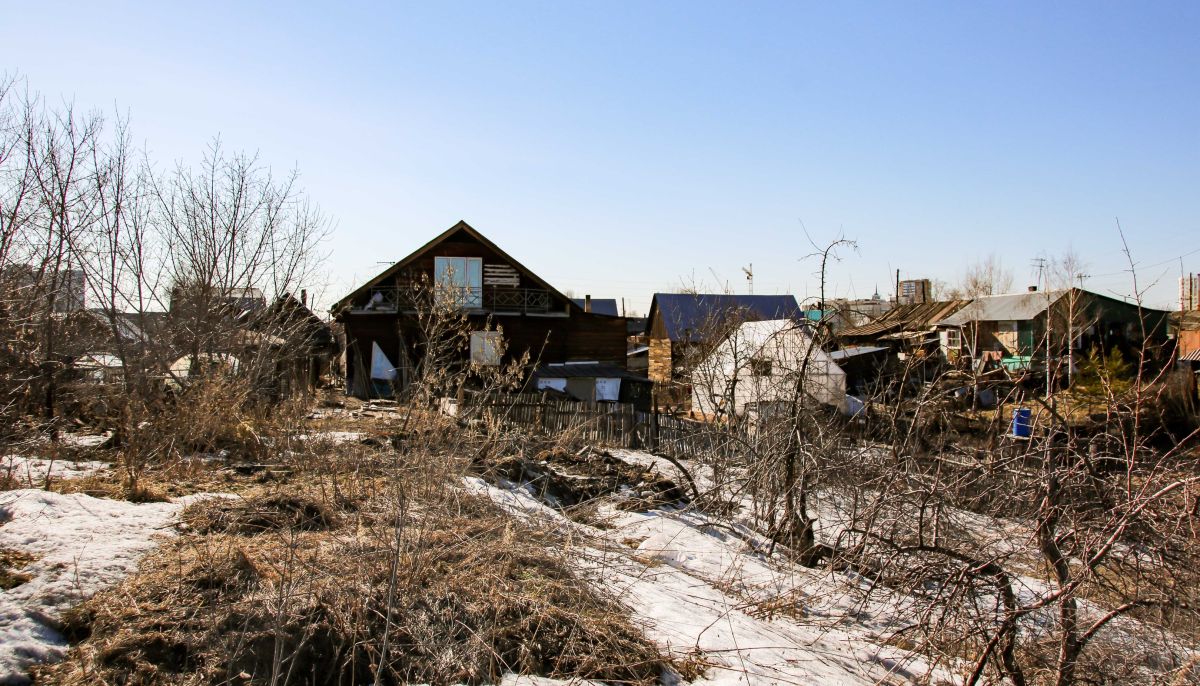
{"x": 559, "y": 385}
{"x": 608, "y": 389}
{"x": 381, "y": 367}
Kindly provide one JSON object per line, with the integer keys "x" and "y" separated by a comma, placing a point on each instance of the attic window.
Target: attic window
{"x": 459, "y": 281}
{"x": 760, "y": 366}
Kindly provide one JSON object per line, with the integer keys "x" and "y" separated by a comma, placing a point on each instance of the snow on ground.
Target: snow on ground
{"x": 84, "y": 440}
{"x": 32, "y": 471}
{"x": 757, "y": 620}
{"x": 81, "y": 545}
{"x": 699, "y": 588}
{"x": 335, "y": 437}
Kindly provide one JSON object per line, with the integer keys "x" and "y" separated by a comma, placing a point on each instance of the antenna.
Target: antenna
{"x": 749, "y": 272}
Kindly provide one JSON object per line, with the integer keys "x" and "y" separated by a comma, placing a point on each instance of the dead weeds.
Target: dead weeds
{"x": 11, "y": 562}
{"x": 269, "y": 589}
{"x": 259, "y": 514}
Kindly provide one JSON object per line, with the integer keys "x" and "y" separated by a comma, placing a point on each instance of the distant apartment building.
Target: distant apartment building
{"x": 915, "y": 292}
{"x": 64, "y": 289}
{"x": 1189, "y": 293}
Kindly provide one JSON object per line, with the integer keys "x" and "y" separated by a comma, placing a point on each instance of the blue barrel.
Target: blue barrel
{"x": 1022, "y": 422}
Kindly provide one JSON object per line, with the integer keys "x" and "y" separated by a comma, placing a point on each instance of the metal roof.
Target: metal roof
{"x": 586, "y": 370}
{"x": 605, "y": 306}
{"x": 997, "y": 308}
{"x": 855, "y": 351}
{"x": 918, "y": 316}
{"x": 694, "y": 317}
{"x": 1193, "y": 356}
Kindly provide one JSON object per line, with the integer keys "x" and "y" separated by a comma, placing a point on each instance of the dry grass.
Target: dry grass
{"x": 11, "y": 562}
{"x": 289, "y": 584}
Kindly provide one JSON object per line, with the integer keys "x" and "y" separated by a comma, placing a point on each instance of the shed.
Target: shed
{"x": 594, "y": 381}
{"x": 683, "y": 327}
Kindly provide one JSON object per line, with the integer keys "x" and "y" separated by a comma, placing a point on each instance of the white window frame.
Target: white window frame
{"x": 458, "y": 281}
{"x": 486, "y": 347}
{"x": 953, "y": 339}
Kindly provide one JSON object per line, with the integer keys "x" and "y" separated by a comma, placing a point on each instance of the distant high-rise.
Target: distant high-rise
{"x": 64, "y": 288}
{"x": 1189, "y": 292}
{"x": 915, "y": 292}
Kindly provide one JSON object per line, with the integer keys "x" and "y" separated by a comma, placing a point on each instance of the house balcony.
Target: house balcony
{"x": 488, "y": 299}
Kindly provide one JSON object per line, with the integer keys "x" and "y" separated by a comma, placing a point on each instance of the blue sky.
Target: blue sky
{"x": 622, "y": 148}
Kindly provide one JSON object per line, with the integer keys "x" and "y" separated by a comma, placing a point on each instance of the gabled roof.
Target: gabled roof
{"x": 437, "y": 240}
{"x": 692, "y": 317}
{"x": 605, "y": 306}
{"x": 998, "y": 308}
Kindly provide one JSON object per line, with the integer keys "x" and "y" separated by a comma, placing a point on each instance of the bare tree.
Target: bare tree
{"x": 984, "y": 277}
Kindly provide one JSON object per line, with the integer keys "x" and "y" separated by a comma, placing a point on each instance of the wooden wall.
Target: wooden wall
{"x": 578, "y": 337}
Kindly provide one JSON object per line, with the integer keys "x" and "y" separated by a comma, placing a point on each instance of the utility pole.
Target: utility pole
{"x": 1044, "y": 280}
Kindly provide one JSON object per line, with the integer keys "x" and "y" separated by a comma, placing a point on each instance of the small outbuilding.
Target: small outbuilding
{"x": 761, "y": 365}
{"x": 595, "y": 382}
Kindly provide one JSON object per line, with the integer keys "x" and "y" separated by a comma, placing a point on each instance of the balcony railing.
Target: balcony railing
{"x": 486, "y": 299}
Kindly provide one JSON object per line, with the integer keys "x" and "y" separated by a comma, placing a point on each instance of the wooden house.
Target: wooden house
{"x": 472, "y": 276}
{"x": 1016, "y": 328}
{"x": 682, "y": 328}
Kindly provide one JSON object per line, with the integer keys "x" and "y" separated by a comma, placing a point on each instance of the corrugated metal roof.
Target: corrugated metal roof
{"x": 695, "y": 317}
{"x": 605, "y": 306}
{"x": 919, "y": 316}
{"x": 997, "y": 308}
{"x": 1193, "y": 356}
{"x": 872, "y": 329}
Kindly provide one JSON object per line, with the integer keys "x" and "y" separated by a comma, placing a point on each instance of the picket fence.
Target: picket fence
{"x": 618, "y": 425}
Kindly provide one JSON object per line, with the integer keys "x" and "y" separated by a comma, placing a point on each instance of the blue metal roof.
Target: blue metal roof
{"x": 695, "y": 317}
{"x": 605, "y": 306}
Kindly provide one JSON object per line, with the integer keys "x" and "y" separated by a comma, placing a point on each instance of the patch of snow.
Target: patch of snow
{"x": 84, "y": 440}
{"x": 515, "y": 500}
{"x": 511, "y": 679}
{"x": 81, "y": 545}
{"x": 32, "y": 471}
{"x": 697, "y": 585}
{"x": 336, "y": 437}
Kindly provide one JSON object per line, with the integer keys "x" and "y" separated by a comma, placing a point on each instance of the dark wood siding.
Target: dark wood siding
{"x": 565, "y": 334}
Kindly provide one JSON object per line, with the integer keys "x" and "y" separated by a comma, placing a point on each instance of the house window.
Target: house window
{"x": 486, "y": 347}
{"x": 760, "y": 366}
{"x": 458, "y": 281}
{"x": 953, "y": 339}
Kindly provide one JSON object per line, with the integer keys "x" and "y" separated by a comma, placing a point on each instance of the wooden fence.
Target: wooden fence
{"x": 617, "y": 425}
